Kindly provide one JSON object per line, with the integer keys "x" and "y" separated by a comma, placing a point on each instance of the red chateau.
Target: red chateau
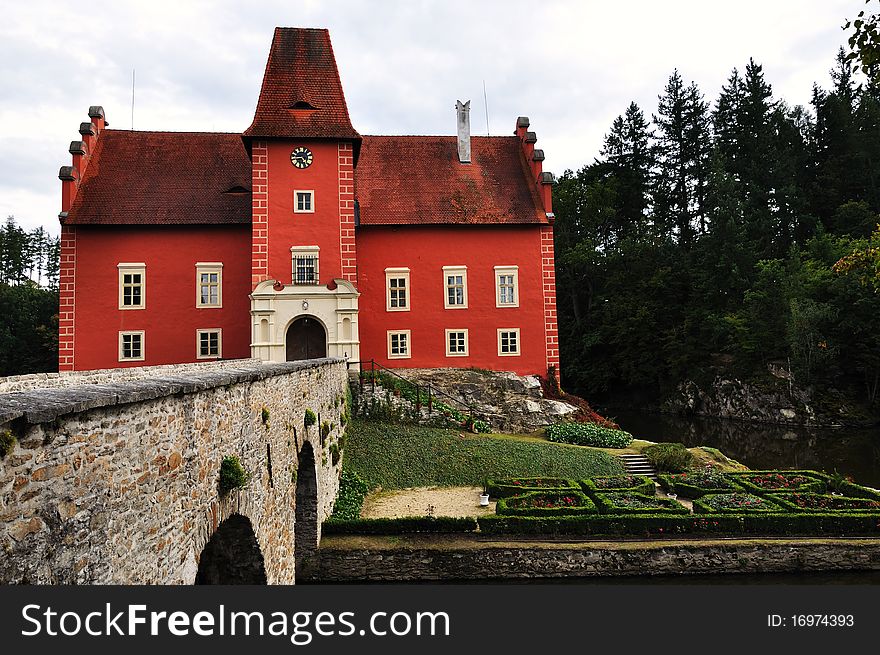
{"x": 300, "y": 238}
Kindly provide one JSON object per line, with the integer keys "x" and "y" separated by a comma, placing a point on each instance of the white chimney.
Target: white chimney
{"x": 464, "y": 131}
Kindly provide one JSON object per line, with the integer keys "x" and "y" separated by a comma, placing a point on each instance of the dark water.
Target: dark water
{"x": 852, "y": 451}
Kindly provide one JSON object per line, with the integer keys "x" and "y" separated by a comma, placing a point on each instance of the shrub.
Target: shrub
{"x": 853, "y": 490}
{"x": 232, "y": 474}
{"x": 670, "y": 457}
{"x": 7, "y": 442}
{"x": 762, "y": 482}
{"x": 635, "y": 483}
{"x": 515, "y": 486}
{"x": 737, "y": 502}
{"x": 350, "y": 500}
{"x": 325, "y": 430}
{"x": 546, "y": 503}
{"x": 626, "y": 502}
{"x": 588, "y": 434}
{"x": 407, "y": 524}
{"x": 695, "y": 484}
{"x": 334, "y": 454}
{"x": 264, "y": 416}
{"x": 310, "y": 418}
{"x": 660, "y": 524}
{"x": 813, "y": 502}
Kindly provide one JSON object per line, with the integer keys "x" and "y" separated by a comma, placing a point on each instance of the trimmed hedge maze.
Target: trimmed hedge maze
{"x": 752, "y": 503}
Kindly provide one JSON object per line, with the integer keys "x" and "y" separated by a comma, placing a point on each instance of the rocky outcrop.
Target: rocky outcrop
{"x": 775, "y": 399}
{"x": 508, "y": 402}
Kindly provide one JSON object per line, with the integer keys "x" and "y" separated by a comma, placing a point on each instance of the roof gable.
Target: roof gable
{"x": 415, "y": 180}
{"x": 301, "y": 95}
{"x": 164, "y": 178}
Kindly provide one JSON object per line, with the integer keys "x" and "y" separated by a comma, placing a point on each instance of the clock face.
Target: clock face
{"x": 301, "y": 157}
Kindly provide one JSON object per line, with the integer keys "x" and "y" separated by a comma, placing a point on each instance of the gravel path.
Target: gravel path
{"x": 425, "y": 501}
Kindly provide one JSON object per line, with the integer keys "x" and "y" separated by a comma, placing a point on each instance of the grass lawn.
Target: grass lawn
{"x": 397, "y": 456}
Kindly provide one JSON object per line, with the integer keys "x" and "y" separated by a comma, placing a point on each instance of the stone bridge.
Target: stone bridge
{"x": 111, "y": 477}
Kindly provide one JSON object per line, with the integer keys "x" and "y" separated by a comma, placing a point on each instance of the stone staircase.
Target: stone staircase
{"x": 638, "y": 465}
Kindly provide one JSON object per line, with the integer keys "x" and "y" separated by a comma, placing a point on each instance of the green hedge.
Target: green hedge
{"x": 702, "y": 506}
{"x": 661, "y": 525}
{"x": 352, "y": 491}
{"x": 677, "y": 486}
{"x": 408, "y": 524}
{"x": 584, "y": 505}
{"x": 672, "y": 457}
{"x": 504, "y": 488}
{"x": 786, "y": 501}
{"x": 644, "y": 486}
{"x": 588, "y": 434}
{"x": 858, "y": 491}
{"x": 818, "y": 485}
{"x": 607, "y": 505}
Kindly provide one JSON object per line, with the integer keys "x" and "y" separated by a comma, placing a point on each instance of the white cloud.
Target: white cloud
{"x": 570, "y": 66}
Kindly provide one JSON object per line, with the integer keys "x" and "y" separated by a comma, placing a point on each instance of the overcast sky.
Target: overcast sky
{"x": 571, "y": 67}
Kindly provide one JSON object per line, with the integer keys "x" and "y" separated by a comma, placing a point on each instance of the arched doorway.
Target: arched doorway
{"x": 305, "y": 528}
{"x": 232, "y": 555}
{"x": 306, "y": 339}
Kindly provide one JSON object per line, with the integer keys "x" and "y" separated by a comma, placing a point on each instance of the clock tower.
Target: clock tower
{"x": 303, "y": 149}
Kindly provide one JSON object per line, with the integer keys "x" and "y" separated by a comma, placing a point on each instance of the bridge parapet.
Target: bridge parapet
{"x": 117, "y": 482}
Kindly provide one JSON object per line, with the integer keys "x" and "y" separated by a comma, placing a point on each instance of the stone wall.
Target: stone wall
{"x": 118, "y": 483}
{"x": 66, "y": 379}
{"x": 357, "y": 559}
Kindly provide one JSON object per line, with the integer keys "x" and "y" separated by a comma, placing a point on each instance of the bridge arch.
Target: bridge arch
{"x": 232, "y": 555}
{"x": 306, "y": 512}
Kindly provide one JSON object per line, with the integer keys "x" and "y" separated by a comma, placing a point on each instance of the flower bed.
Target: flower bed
{"x": 634, "y": 483}
{"x": 695, "y": 484}
{"x": 813, "y": 502}
{"x": 546, "y": 503}
{"x": 517, "y": 486}
{"x": 737, "y": 502}
{"x": 633, "y": 503}
{"x": 588, "y": 434}
{"x": 763, "y": 482}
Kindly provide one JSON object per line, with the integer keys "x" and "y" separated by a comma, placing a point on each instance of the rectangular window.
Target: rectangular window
{"x": 132, "y": 286}
{"x": 131, "y": 346}
{"x": 397, "y": 289}
{"x": 398, "y": 344}
{"x": 455, "y": 281}
{"x": 209, "y": 344}
{"x": 456, "y": 343}
{"x": 209, "y": 284}
{"x": 507, "y": 286}
{"x": 304, "y": 202}
{"x": 305, "y": 265}
{"x": 508, "y": 342}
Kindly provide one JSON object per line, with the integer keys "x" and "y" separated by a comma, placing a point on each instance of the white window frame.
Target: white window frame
{"x": 408, "y": 344}
{"x": 305, "y": 251}
{"x": 206, "y": 268}
{"x": 129, "y": 269}
{"x": 397, "y": 274}
{"x": 463, "y": 331}
{"x": 512, "y": 271}
{"x": 199, "y": 334}
{"x": 518, "y": 342}
{"x": 455, "y": 270}
{"x": 124, "y": 333}
{"x": 311, "y": 194}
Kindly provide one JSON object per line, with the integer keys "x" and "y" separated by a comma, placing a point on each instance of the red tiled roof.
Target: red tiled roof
{"x": 413, "y": 180}
{"x": 301, "y": 73}
{"x": 164, "y": 178}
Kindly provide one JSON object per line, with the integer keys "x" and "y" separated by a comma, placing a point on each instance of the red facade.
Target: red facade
{"x": 180, "y": 247}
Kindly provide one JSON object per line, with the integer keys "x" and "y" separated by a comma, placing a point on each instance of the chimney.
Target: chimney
{"x": 464, "y": 131}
